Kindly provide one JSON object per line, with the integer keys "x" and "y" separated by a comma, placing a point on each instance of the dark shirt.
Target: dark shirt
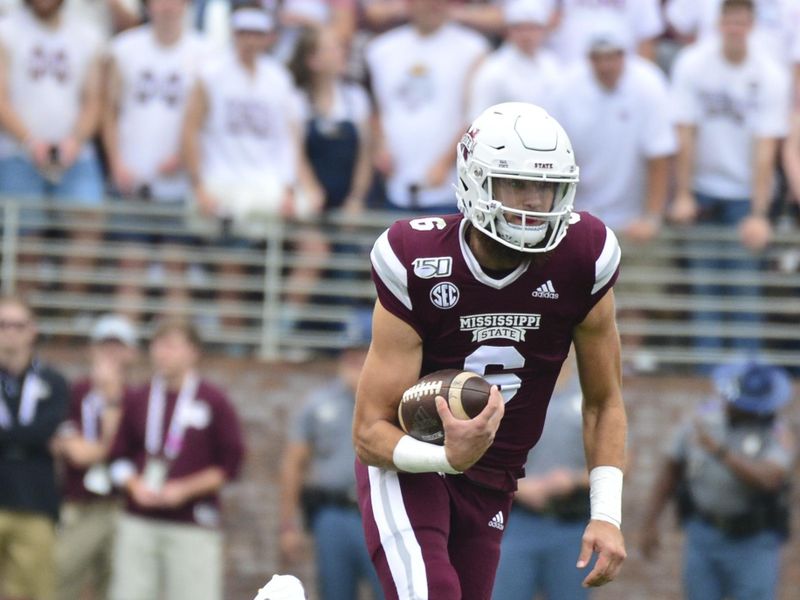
{"x": 213, "y": 442}
{"x": 72, "y": 487}
{"x": 27, "y": 474}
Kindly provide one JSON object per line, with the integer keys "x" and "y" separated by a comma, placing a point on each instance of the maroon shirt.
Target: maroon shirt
{"x": 72, "y": 483}
{"x": 219, "y": 443}
{"x": 516, "y": 330}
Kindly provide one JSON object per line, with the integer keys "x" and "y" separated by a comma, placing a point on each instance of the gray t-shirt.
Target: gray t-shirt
{"x": 713, "y": 486}
{"x": 325, "y": 424}
{"x": 561, "y": 444}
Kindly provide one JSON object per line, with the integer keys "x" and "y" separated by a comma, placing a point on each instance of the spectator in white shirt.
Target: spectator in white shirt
{"x": 241, "y": 141}
{"x": 615, "y": 107}
{"x": 731, "y": 103}
{"x": 520, "y": 70}
{"x": 577, "y": 19}
{"x": 151, "y": 70}
{"x": 50, "y": 86}
{"x": 775, "y": 27}
{"x": 419, "y": 74}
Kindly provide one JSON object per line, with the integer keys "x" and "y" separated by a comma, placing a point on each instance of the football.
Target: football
{"x": 465, "y": 392}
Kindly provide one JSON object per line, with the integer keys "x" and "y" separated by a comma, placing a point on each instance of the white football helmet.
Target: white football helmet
{"x": 516, "y": 140}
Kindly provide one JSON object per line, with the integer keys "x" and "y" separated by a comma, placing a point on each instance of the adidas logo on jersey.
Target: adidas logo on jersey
{"x": 546, "y": 290}
{"x": 497, "y": 521}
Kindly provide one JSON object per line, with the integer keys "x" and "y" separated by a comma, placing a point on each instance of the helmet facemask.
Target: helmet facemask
{"x": 488, "y": 165}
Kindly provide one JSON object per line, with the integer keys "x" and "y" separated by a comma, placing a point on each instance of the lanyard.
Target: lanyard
{"x": 33, "y": 390}
{"x": 91, "y": 409}
{"x": 157, "y": 403}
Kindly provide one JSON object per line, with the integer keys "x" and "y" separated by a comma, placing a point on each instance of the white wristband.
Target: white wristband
{"x": 605, "y": 494}
{"x": 414, "y": 456}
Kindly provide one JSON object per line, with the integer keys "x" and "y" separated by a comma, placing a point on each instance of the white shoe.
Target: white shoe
{"x": 282, "y": 587}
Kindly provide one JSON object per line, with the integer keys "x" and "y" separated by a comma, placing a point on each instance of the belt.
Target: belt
{"x": 735, "y": 526}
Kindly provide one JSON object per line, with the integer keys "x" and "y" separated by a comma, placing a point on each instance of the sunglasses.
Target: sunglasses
{"x": 17, "y": 325}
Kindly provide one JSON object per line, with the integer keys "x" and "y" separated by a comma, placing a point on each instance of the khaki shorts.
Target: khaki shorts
{"x": 83, "y": 548}
{"x": 27, "y": 566}
{"x": 161, "y": 559}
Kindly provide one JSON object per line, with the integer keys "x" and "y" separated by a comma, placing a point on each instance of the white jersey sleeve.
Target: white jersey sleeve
{"x": 390, "y": 271}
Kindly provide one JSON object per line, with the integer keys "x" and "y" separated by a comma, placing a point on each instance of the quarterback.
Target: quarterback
{"x": 503, "y": 290}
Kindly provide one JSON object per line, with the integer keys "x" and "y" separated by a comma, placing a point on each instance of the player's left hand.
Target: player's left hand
{"x": 755, "y": 232}
{"x": 606, "y": 540}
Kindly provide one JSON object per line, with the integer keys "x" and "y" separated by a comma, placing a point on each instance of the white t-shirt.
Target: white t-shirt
{"x": 614, "y": 134}
{"x": 156, "y": 83}
{"x": 730, "y": 105}
{"x": 775, "y": 29}
{"x": 640, "y": 19}
{"x": 248, "y": 132}
{"x": 46, "y": 74}
{"x": 509, "y": 75}
{"x": 420, "y": 83}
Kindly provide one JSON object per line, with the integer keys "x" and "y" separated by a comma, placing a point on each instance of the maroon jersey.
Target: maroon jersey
{"x": 79, "y": 414}
{"x": 516, "y": 330}
{"x": 213, "y": 438}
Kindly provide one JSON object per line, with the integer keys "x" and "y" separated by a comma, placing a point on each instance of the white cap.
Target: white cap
{"x": 114, "y": 327}
{"x": 517, "y": 12}
{"x": 608, "y": 36}
{"x": 282, "y": 587}
{"x": 252, "y": 19}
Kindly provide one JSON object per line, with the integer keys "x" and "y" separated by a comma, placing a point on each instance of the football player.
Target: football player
{"x": 501, "y": 290}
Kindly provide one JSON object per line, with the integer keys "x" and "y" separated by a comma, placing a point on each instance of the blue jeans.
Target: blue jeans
{"x": 729, "y": 213}
{"x": 717, "y": 567}
{"x": 342, "y": 558}
{"x": 538, "y": 554}
{"x": 80, "y": 185}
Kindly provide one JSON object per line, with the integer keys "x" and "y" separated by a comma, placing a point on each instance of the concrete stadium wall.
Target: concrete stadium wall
{"x": 266, "y": 395}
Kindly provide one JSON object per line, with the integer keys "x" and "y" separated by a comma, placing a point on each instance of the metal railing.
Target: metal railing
{"x": 74, "y": 264}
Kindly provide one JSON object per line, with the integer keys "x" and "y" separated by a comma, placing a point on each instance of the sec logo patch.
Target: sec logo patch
{"x": 444, "y": 295}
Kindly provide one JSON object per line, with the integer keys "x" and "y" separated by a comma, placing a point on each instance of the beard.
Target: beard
{"x": 505, "y": 255}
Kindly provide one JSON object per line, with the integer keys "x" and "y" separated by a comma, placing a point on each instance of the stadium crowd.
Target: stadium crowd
{"x": 239, "y": 110}
{"x": 685, "y": 111}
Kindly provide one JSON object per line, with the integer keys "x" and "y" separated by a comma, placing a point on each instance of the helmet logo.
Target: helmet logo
{"x": 468, "y": 142}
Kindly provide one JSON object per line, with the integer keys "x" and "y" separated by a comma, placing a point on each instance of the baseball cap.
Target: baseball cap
{"x": 753, "y": 387}
{"x": 607, "y": 36}
{"x": 252, "y": 19}
{"x": 114, "y": 327}
{"x": 517, "y": 12}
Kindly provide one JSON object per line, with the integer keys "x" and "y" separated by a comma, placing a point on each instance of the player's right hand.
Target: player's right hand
{"x": 465, "y": 441}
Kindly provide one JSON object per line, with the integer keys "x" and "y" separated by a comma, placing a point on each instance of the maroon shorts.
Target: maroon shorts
{"x": 431, "y": 537}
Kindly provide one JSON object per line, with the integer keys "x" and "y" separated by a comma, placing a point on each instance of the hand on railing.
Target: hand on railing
{"x": 683, "y": 210}
{"x": 755, "y": 231}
